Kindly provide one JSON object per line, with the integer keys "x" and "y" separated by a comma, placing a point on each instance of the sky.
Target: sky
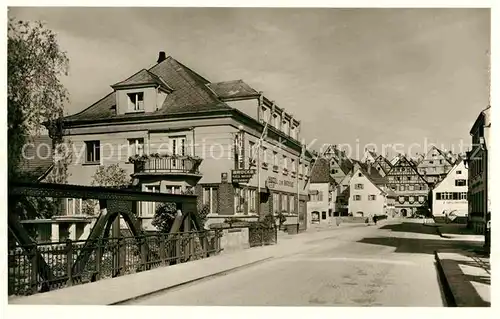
{"x": 352, "y": 76}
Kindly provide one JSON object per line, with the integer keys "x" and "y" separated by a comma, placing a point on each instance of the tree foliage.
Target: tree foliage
{"x": 164, "y": 216}
{"x": 108, "y": 176}
{"x": 35, "y": 94}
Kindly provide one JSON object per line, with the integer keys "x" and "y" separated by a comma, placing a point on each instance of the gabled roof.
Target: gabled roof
{"x": 457, "y": 163}
{"x": 190, "y": 93}
{"x": 444, "y": 155}
{"x": 371, "y": 174}
{"x": 233, "y": 90}
{"x": 341, "y": 159}
{"x": 37, "y": 160}
{"x": 143, "y": 77}
{"x": 415, "y": 170}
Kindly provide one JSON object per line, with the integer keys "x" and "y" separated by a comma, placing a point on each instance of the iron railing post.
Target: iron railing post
{"x": 69, "y": 262}
{"x": 163, "y": 239}
{"x": 98, "y": 257}
{"x": 34, "y": 270}
{"x": 144, "y": 254}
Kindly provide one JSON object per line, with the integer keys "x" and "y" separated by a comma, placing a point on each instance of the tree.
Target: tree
{"x": 107, "y": 176}
{"x": 35, "y": 94}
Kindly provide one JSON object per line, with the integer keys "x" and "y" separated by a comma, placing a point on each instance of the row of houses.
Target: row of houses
{"x": 174, "y": 131}
{"x": 434, "y": 183}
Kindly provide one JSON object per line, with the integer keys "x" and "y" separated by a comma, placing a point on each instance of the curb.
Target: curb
{"x": 448, "y": 294}
{"x": 186, "y": 283}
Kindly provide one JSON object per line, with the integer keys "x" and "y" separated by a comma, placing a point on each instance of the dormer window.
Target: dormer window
{"x": 136, "y": 101}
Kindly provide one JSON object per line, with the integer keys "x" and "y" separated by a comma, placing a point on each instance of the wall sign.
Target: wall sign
{"x": 242, "y": 175}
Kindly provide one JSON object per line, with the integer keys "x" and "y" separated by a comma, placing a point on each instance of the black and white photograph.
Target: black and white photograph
{"x": 248, "y": 156}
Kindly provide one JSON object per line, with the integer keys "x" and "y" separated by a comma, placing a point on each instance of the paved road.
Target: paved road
{"x": 392, "y": 265}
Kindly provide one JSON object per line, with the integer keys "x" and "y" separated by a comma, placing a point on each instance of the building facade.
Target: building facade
{"x": 322, "y": 197}
{"x": 411, "y": 188}
{"x": 367, "y": 194}
{"x": 174, "y": 131}
{"x": 449, "y": 197}
{"x": 435, "y": 165}
{"x": 478, "y": 161}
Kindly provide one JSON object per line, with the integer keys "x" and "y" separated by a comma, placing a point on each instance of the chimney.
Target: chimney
{"x": 161, "y": 57}
{"x": 369, "y": 168}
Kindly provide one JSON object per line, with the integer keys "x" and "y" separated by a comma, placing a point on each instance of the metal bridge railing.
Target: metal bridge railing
{"x": 107, "y": 258}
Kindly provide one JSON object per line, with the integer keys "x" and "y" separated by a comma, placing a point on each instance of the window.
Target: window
{"x": 294, "y": 168}
{"x": 411, "y": 187}
{"x": 334, "y": 171}
{"x": 421, "y": 199}
{"x": 253, "y": 150}
{"x": 285, "y": 162}
{"x": 210, "y": 199}
{"x": 357, "y": 197}
{"x": 306, "y": 170}
{"x": 463, "y": 195}
{"x": 372, "y": 197}
{"x": 276, "y": 203}
{"x": 135, "y": 146}
{"x": 359, "y": 174}
{"x": 136, "y": 101}
{"x": 358, "y": 186}
{"x": 411, "y": 199}
{"x": 73, "y": 206}
{"x": 93, "y": 151}
{"x": 440, "y": 161}
{"x": 431, "y": 162}
{"x": 251, "y": 198}
{"x": 178, "y": 144}
{"x": 292, "y": 132}
{"x": 323, "y": 215}
{"x": 239, "y": 201}
{"x": 460, "y": 182}
{"x": 275, "y": 159}
{"x": 264, "y": 155}
{"x": 292, "y": 204}
{"x": 401, "y": 188}
{"x": 284, "y": 203}
{"x": 175, "y": 189}
{"x": 149, "y": 208}
{"x": 408, "y": 178}
{"x": 459, "y": 172}
{"x": 276, "y": 121}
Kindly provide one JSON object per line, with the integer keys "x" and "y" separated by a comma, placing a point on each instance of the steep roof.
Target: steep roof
{"x": 321, "y": 171}
{"x": 410, "y": 164}
{"x": 443, "y": 154}
{"x": 37, "y": 159}
{"x": 457, "y": 163}
{"x": 190, "y": 93}
{"x": 344, "y": 162}
{"x": 233, "y": 90}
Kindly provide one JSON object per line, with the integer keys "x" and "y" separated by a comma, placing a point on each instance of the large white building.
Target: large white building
{"x": 449, "y": 197}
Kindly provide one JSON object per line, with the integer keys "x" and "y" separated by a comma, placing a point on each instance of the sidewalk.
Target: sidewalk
{"x": 456, "y": 232}
{"x": 121, "y": 289}
{"x": 466, "y": 278}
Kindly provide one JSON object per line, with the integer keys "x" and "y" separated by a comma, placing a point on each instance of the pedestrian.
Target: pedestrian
{"x": 375, "y": 219}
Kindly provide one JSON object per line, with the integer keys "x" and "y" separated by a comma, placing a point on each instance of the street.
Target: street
{"x": 388, "y": 265}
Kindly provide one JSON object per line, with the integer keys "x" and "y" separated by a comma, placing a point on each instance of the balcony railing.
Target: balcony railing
{"x": 167, "y": 164}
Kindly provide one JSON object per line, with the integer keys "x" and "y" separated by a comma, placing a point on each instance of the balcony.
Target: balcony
{"x": 166, "y": 164}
